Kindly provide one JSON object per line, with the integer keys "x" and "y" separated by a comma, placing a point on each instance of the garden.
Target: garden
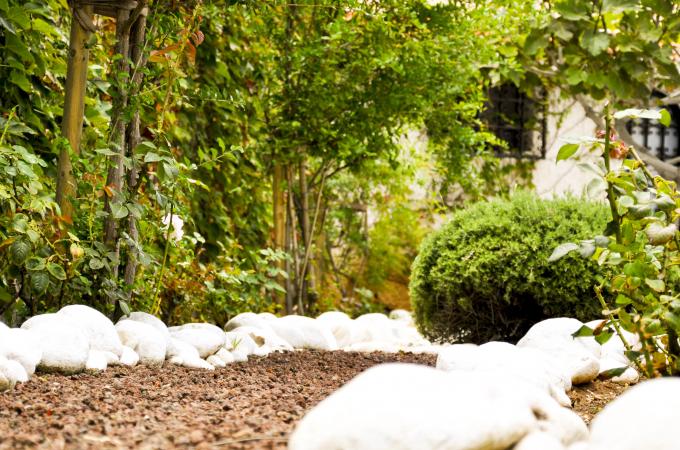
{"x": 389, "y": 224}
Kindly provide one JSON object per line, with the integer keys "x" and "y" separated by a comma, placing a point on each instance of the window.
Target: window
{"x": 662, "y": 142}
{"x": 518, "y": 120}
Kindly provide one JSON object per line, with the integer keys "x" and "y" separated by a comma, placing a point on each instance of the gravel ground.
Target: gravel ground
{"x": 252, "y": 405}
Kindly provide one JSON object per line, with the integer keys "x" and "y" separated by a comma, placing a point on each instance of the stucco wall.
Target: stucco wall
{"x": 567, "y": 119}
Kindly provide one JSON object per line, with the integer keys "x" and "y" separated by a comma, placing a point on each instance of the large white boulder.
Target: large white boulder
{"x": 129, "y": 357}
{"x": 373, "y": 327}
{"x": 97, "y": 360}
{"x": 402, "y": 315}
{"x": 304, "y": 332}
{"x": 12, "y": 372}
{"x": 205, "y": 337}
{"x": 527, "y": 364}
{"x": 539, "y": 440}
{"x": 264, "y": 337}
{"x": 99, "y": 329}
{"x": 21, "y": 346}
{"x": 244, "y": 343}
{"x": 149, "y": 343}
{"x": 65, "y": 346}
{"x": 579, "y": 357}
{"x": 344, "y": 329}
{"x": 247, "y": 319}
{"x": 642, "y": 418}
{"x": 149, "y": 319}
{"x": 404, "y": 406}
{"x": 182, "y": 353}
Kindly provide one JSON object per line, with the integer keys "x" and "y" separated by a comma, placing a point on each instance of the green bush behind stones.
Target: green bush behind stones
{"x": 485, "y": 275}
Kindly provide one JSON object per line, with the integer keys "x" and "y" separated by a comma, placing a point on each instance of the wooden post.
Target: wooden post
{"x": 74, "y": 107}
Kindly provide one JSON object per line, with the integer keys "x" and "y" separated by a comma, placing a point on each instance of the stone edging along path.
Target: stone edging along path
{"x": 493, "y": 396}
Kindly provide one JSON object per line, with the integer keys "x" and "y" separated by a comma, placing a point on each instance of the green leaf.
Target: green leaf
{"x": 567, "y": 151}
{"x": 39, "y": 282}
{"x": 118, "y": 211}
{"x": 152, "y": 157}
{"x": 35, "y": 263}
{"x": 611, "y": 373}
{"x": 656, "y": 285}
{"x": 603, "y": 337}
{"x": 584, "y": 331}
{"x": 19, "y": 251}
{"x": 562, "y": 250}
{"x": 665, "y": 118}
{"x": 56, "y": 271}
{"x": 96, "y": 264}
{"x": 124, "y": 307}
{"x": 595, "y": 43}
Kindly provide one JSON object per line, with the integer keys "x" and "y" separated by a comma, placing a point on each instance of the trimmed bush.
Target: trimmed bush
{"x": 485, "y": 275}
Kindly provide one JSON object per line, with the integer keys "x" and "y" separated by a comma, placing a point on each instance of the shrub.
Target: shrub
{"x": 485, "y": 275}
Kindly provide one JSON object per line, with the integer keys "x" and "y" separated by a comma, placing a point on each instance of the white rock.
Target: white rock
{"x": 247, "y": 319}
{"x": 3, "y": 326}
{"x": 345, "y": 331}
{"x": 205, "y": 337}
{"x": 129, "y": 357}
{"x": 65, "y": 346}
{"x": 239, "y": 356}
{"x": 182, "y": 349}
{"x": 304, "y": 332}
{"x": 500, "y": 357}
{"x": 96, "y": 360}
{"x": 149, "y": 319}
{"x": 197, "y": 363}
{"x": 267, "y": 316}
{"x": 216, "y": 361}
{"x": 265, "y": 337}
{"x": 453, "y": 411}
{"x": 145, "y": 340}
{"x": 225, "y": 356}
{"x": 539, "y": 440}
{"x": 235, "y": 340}
{"x": 642, "y": 418}
{"x": 579, "y": 357}
{"x": 99, "y": 329}
{"x": 374, "y": 346}
{"x": 401, "y": 315}
{"x": 21, "y": 346}
{"x": 12, "y": 372}
{"x": 373, "y": 327}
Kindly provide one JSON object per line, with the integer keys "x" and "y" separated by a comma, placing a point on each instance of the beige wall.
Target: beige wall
{"x": 567, "y": 119}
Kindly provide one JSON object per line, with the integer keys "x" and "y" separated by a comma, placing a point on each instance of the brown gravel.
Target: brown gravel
{"x": 252, "y": 405}
{"x": 589, "y": 399}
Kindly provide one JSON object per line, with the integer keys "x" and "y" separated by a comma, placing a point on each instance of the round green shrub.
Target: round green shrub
{"x": 485, "y": 275}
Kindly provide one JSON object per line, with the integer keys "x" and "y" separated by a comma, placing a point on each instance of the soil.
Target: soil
{"x": 589, "y": 399}
{"x": 253, "y": 405}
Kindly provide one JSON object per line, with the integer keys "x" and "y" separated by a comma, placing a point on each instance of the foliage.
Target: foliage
{"x": 624, "y": 49}
{"x": 640, "y": 292}
{"x": 485, "y": 275}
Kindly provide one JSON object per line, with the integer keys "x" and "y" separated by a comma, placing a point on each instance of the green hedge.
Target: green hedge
{"x": 485, "y": 275}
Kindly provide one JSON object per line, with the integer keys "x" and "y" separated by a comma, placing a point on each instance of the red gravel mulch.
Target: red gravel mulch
{"x": 253, "y": 405}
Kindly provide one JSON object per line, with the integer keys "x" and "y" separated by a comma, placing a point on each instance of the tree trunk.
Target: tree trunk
{"x": 279, "y": 203}
{"x": 114, "y": 180}
{"x": 137, "y": 36}
{"x": 74, "y": 107}
{"x": 294, "y": 274}
{"x": 304, "y": 282}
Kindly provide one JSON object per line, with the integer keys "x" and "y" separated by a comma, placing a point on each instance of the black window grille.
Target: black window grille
{"x": 662, "y": 142}
{"x": 517, "y": 119}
